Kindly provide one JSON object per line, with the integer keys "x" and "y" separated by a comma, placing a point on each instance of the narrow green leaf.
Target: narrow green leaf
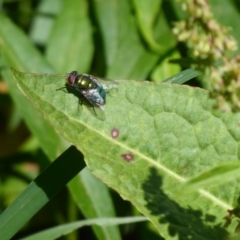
{"x": 70, "y": 45}
{"x": 93, "y": 198}
{"x": 17, "y": 54}
{"x": 126, "y": 56}
{"x": 183, "y": 77}
{"x": 40, "y": 191}
{"x": 147, "y": 12}
{"x": 155, "y": 136}
{"x": 216, "y": 176}
{"x": 56, "y": 232}
{"x": 43, "y": 20}
{"x": 108, "y": 12}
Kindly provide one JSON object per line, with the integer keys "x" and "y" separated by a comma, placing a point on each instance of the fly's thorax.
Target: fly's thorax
{"x": 84, "y": 81}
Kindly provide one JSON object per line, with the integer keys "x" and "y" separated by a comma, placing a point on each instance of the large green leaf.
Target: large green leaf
{"x": 155, "y": 136}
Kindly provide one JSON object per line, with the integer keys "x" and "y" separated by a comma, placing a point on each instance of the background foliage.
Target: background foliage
{"x": 118, "y": 40}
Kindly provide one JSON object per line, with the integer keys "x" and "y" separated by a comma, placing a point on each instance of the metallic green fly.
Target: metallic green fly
{"x": 93, "y": 89}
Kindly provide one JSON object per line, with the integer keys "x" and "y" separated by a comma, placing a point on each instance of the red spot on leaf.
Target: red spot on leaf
{"x": 128, "y": 157}
{"x": 115, "y": 133}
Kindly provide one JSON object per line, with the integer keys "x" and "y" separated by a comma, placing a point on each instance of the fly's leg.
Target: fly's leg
{"x": 79, "y": 103}
{"x": 62, "y": 89}
{"x": 94, "y": 111}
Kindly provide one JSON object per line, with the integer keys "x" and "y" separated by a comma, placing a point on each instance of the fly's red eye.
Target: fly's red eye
{"x": 70, "y": 79}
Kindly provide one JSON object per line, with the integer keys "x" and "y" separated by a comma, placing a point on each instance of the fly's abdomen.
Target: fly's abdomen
{"x": 102, "y": 92}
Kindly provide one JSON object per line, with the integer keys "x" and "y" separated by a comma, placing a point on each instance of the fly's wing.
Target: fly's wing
{"x": 95, "y": 103}
{"x": 107, "y": 84}
{"x": 97, "y": 112}
{"x": 85, "y": 99}
{"x": 94, "y": 98}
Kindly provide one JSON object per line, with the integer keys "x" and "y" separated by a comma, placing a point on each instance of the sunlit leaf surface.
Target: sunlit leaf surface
{"x": 154, "y": 137}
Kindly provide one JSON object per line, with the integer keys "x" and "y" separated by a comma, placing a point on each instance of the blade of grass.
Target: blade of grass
{"x": 216, "y": 176}
{"x": 40, "y": 191}
{"x": 64, "y": 229}
{"x": 183, "y": 76}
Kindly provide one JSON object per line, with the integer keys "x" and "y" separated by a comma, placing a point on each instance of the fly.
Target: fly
{"x": 92, "y": 88}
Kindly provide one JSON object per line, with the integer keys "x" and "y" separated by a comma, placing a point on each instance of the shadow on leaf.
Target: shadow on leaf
{"x": 182, "y": 223}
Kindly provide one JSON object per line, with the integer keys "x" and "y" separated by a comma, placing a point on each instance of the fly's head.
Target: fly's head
{"x": 71, "y": 78}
